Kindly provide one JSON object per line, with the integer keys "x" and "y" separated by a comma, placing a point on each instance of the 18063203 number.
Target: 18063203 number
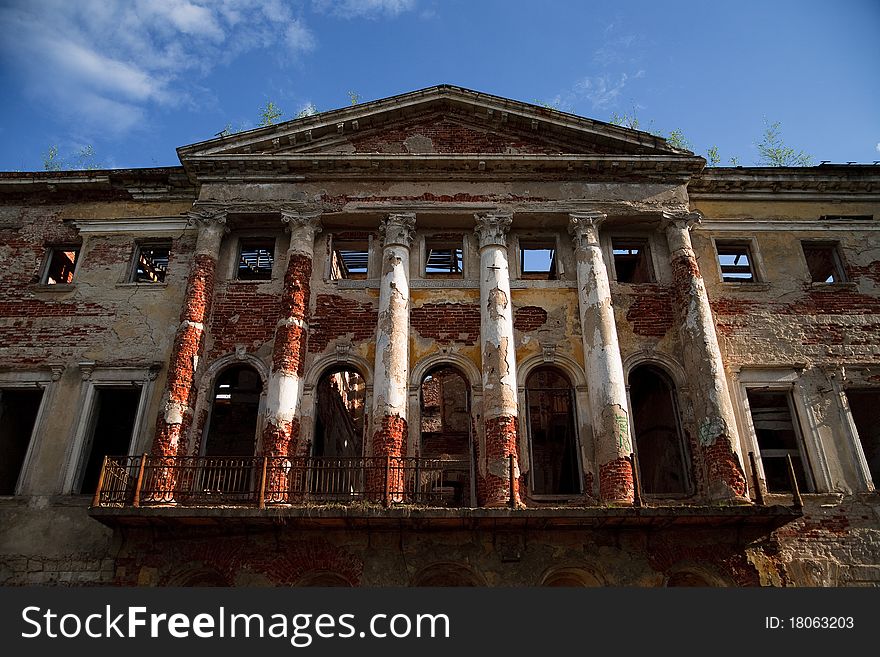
{"x": 821, "y": 622}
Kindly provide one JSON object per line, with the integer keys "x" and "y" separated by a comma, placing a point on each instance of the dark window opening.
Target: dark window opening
{"x": 446, "y": 434}
{"x": 538, "y": 261}
{"x": 443, "y": 260}
{"x": 18, "y": 412}
{"x": 555, "y": 466}
{"x": 778, "y": 438}
{"x": 632, "y": 261}
{"x": 659, "y": 445}
{"x": 863, "y": 405}
{"x": 338, "y": 442}
{"x": 255, "y": 259}
{"x": 823, "y": 262}
{"x": 113, "y": 418}
{"x": 736, "y": 263}
{"x": 151, "y": 264}
{"x": 62, "y": 264}
{"x": 233, "y": 425}
{"x": 349, "y": 260}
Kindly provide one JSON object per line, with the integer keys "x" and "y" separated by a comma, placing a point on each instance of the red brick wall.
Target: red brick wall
{"x": 335, "y": 316}
{"x": 447, "y": 322}
{"x": 243, "y": 316}
{"x": 650, "y": 311}
{"x": 529, "y": 318}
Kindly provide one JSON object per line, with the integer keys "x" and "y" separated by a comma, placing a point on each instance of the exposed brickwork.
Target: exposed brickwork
{"x": 529, "y": 318}
{"x": 386, "y": 481}
{"x": 723, "y": 465}
{"x": 501, "y": 442}
{"x": 447, "y": 322}
{"x": 668, "y": 556}
{"x": 336, "y": 316}
{"x": 243, "y": 316}
{"x": 650, "y": 312}
{"x": 616, "y": 480}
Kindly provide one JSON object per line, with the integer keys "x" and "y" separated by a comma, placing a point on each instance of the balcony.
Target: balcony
{"x": 326, "y": 492}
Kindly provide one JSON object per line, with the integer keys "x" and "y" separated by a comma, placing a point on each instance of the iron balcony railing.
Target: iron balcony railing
{"x": 208, "y": 481}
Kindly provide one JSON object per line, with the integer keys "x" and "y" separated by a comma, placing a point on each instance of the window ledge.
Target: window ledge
{"x": 58, "y": 287}
{"x": 830, "y": 287}
{"x": 143, "y": 285}
{"x": 265, "y": 281}
{"x": 755, "y": 286}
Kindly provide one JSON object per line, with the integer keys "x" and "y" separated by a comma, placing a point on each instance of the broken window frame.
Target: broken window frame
{"x": 619, "y": 243}
{"x": 255, "y": 242}
{"x": 80, "y": 446}
{"x": 870, "y": 479}
{"x": 838, "y": 270}
{"x": 724, "y": 269}
{"x": 31, "y": 381}
{"x": 49, "y": 258}
{"x": 335, "y": 257}
{"x": 135, "y": 266}
{"x": 526, "y": 244}
{"x": 456, "y": 265}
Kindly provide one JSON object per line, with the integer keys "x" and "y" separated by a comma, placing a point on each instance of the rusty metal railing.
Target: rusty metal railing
{"x": 260, "y": 481}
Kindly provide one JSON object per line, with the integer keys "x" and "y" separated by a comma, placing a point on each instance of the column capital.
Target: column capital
{"x": 207, "y": 216}
{"x": 492, "y": 228}
{"x": 584, "y": 228}
{"x": 681, "y": 220}
{"x": 397, "y": 228}
{"x": 301, "y": 224}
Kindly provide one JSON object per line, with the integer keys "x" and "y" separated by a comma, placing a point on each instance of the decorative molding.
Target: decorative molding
{"x": 492, "y": 228}
{"x": 133, "y": 225}
{"x": 584, "y": 228}
{"x": 397, "y": 229}
{"x": 681, "y": 221}
{"x": 302, "y": 226}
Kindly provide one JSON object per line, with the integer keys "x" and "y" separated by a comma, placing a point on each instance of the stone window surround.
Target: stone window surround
{"x": 780, "y": 379}
{"x": 844, "y": 378}
{"x": 46, "y": 380}
{"x": 227, "y": 266}
{"x": 95, "y": 377}
{"x": 755, "y": 260}
{"x": 648, "y": 237}
{"x": 463, "y": 244}
{"x": 47, "y": 263}
{"x": 514, "y": 251}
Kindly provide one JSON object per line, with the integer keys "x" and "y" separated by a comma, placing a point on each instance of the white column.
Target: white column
{"x": 605, "y": 380}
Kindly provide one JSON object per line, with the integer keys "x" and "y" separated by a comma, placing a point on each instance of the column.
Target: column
{"x": 713, "y": 409}
{"x": 605, "y": 381}
{"x": 284, "y": 390}
{"x": 391, "y": 371}
{"x": 178, "y": 400}
{"x": 499, "y": 361}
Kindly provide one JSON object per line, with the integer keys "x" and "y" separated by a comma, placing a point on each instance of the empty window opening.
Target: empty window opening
{"x": 61, "y": 266}
{"x": 234, "y": 411}
{"x": 113, "y": 416}
{"x": 151, "y": 263}
{"x": 255, "y": 259}
{"x": 659, "y": 444}
{"x": 443, "y": 260}
{"x": 338, "y": 442}
{"x": 736, "y": 263}
{"x": 863, "y": 405}
{"x": 823, "y": 262}
{"x": 18, "y": 412}
{"x": 349, "y": 260}
{"x": 555, "y": 467}
{"x": 446, "y": 434}
{"x": 632, "y": 261}
{"x": 773, "y": 418}
{"x": 538, "y": 260}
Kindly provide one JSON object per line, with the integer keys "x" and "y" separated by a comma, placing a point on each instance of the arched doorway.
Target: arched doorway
{"x": 235, "y": 407}
{"x": 336, "y": 468}
{"x": 446, "y": 446}
{"x": 659, "y": 444}
{"x": 555, "y": 464}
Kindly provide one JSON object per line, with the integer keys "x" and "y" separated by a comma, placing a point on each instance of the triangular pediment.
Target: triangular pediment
{"x": 438, "y": 120}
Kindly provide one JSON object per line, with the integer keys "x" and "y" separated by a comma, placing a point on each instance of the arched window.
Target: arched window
{"x": 571, "y": 577}
{"x": 555, "y": 466}
{"x": 339, "y": 418}
{"x": 234, "y": 410}
{"x": 446, "y": 443}
{"x": 659, "y": 444}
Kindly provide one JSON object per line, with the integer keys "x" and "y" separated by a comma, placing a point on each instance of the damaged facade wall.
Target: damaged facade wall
{"x": 492, "y": 325}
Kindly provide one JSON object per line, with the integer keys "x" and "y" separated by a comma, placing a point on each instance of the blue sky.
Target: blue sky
{"x": 137, "y": 78}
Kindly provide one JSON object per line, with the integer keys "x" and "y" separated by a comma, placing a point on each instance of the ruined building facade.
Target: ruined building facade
{"x": 443, "y": 338}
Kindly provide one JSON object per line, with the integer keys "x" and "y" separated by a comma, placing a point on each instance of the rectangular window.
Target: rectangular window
{"x": 735, "y": 259}
{"x": 632, "y": 261}
{"x": 349, "y": 260}
{"x": 151, "y": 262}
{"x": 443, "y": 259}
{"x": 255, "y": 259}
{"x": 537, "y": 260}
{"x": 863, "y": 405}
{"x": 773, "y": 418}
{"x": 61, "y": 265}
{"x": 18, "y": 412}
{"x": 823, "y": 262}
{"x": 113, "y": 417}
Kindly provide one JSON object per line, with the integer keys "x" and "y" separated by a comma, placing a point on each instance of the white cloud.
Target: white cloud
{"x": 602, "y": 91}
{"x": 105, "y": 63}
{"x": 878, "y": 147}
{"x": 364, "y": 8}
